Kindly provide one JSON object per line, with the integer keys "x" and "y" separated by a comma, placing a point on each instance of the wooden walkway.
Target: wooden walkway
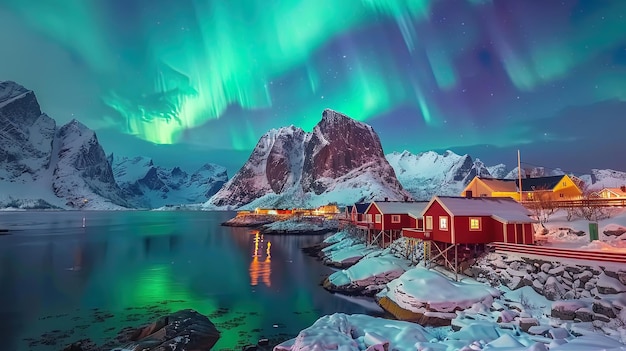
{"x": 597, "y": 256}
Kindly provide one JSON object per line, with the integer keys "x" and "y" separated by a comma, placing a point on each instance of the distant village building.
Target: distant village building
{"x": 613, "y": 193}
{"x": 358, "y": 212}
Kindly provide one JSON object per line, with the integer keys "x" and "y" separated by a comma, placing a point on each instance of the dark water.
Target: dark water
{"x": 61, "y": 282}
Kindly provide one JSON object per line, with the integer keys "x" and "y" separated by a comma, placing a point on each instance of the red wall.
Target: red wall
{"x": 435, "y": 210}
{"x": 498, "y": 231}
{"x": 463, "y": 234}
{"x": 373, "y": 210}
{"x": 406, "y": 221}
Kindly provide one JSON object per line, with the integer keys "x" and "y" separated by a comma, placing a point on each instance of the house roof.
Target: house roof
{"x": 502, "y": 185}
{"x": 361, "y": 207}
{"x": 504, "y": 209}
{"x": 541, "y": 183}
{"x": 398, "y": 207}
{"x": 349, "y": 208}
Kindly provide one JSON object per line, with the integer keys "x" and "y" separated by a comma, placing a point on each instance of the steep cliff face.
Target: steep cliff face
{"x": 41, "y": 165}
{"x": 26, "y": 134}
{"x": 340, "y": 161}
{"x": 339, "y": 145}
{"x": 284, "y": 162}
{"x": 269, "y": 169}
{"x": 83, "y": 175}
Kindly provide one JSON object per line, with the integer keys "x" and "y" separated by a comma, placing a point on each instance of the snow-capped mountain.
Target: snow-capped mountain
{"x": 534, "y": 172}
{"x": 43, "y": 166}
{"x": 429, "y": 173}
{"x": 146, "y": 185}
{"x": 341, "y": 161}
{"x": 604, "y": 178}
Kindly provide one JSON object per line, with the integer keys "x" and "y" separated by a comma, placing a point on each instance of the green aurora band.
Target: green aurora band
{"x": 170, "y": 67}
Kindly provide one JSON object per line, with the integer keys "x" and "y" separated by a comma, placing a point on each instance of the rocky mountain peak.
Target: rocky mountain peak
{"x": 339, "y": 153}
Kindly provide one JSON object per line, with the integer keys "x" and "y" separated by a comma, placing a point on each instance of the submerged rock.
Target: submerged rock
{"x": 181, "y": 330}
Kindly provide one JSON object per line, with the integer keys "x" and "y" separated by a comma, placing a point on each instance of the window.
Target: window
{"x": 564, "y": 183}
{"x": 443, "y": 223}
{"x": 378, "y": 218}
{"x": 369, "y": 218}
{"x": 561, "y": 195}
{"x": 429, "y": 222}
{"x": 475, "y": 223}
{"x": 529, "y": 196}
{"x": 395, "y": 219}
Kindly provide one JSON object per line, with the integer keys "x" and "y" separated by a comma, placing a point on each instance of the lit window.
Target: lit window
{"x": 474, "y": 223}
{"x": 443, "y": 223}
{"x": 429, "y": 222}
{"x": 395, "y": 219}
{"x": 378, "y": 218}
{"x": 369, "y": 218}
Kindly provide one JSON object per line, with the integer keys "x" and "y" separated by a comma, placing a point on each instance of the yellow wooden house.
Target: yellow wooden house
{"x": 491, "y": 187}
{"x": 553, "y": 188}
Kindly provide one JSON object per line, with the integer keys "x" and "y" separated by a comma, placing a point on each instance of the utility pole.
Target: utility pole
{"x": 519, "y": 175}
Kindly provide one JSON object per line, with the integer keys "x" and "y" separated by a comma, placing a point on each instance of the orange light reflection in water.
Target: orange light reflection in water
{"x": 260, "y": 269}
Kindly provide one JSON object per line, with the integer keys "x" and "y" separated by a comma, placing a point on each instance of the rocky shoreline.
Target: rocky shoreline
{"x": 585, "y": 298}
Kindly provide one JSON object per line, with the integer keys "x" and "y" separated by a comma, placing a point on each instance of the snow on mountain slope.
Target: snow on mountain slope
{"x": 83, "y": 174}
{"x": 63, "y": 168}
{"x": 340, "y": 161}
{"x": 148, "y": 186}
{"x": 429, "y": 173}
{"x": 604, "y": 178}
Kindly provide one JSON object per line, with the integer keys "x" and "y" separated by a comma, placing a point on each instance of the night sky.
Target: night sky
{"x": 188, "y": 82}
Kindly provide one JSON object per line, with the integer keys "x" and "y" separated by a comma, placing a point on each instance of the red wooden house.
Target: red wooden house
{"x": 387, "y": 218}
{"x": 469, "y": 223}
{"x": 358, "y": 212}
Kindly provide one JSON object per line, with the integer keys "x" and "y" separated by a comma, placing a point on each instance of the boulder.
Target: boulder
{"x": 526, "y": 323}
{"x": 181, "y": 330}
{"x": 185, "y": 329}
{"x": 604, "y": 308}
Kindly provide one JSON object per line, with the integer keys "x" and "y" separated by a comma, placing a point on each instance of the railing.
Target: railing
{"x": 522, "y": 249}
{"x": 599, "y": 202}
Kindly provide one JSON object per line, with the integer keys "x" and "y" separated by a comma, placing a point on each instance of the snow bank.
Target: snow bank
{"x": 420, "y": 289}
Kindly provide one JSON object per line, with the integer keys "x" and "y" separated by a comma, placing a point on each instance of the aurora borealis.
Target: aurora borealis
{"x": 201, "y": 80}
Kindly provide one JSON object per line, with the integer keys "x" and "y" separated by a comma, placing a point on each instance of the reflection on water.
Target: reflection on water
{"x": 125, "y": 268}
{"x": 260, "y": 269}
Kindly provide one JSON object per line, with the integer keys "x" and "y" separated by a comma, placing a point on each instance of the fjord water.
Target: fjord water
{"x": 61, "y": 282}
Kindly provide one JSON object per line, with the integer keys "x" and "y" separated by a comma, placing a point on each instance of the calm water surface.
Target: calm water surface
{"x": 61, "y": 282}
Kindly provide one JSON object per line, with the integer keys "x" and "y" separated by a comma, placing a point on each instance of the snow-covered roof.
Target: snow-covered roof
{"x": 396, "y": 207}
{"x": 503, "y": 185}
{"x": 504, "y": 209}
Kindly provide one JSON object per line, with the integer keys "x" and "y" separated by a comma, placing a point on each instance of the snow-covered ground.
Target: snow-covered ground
{"x": 485, "y": 317}
{"x": 296, "y": 224}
